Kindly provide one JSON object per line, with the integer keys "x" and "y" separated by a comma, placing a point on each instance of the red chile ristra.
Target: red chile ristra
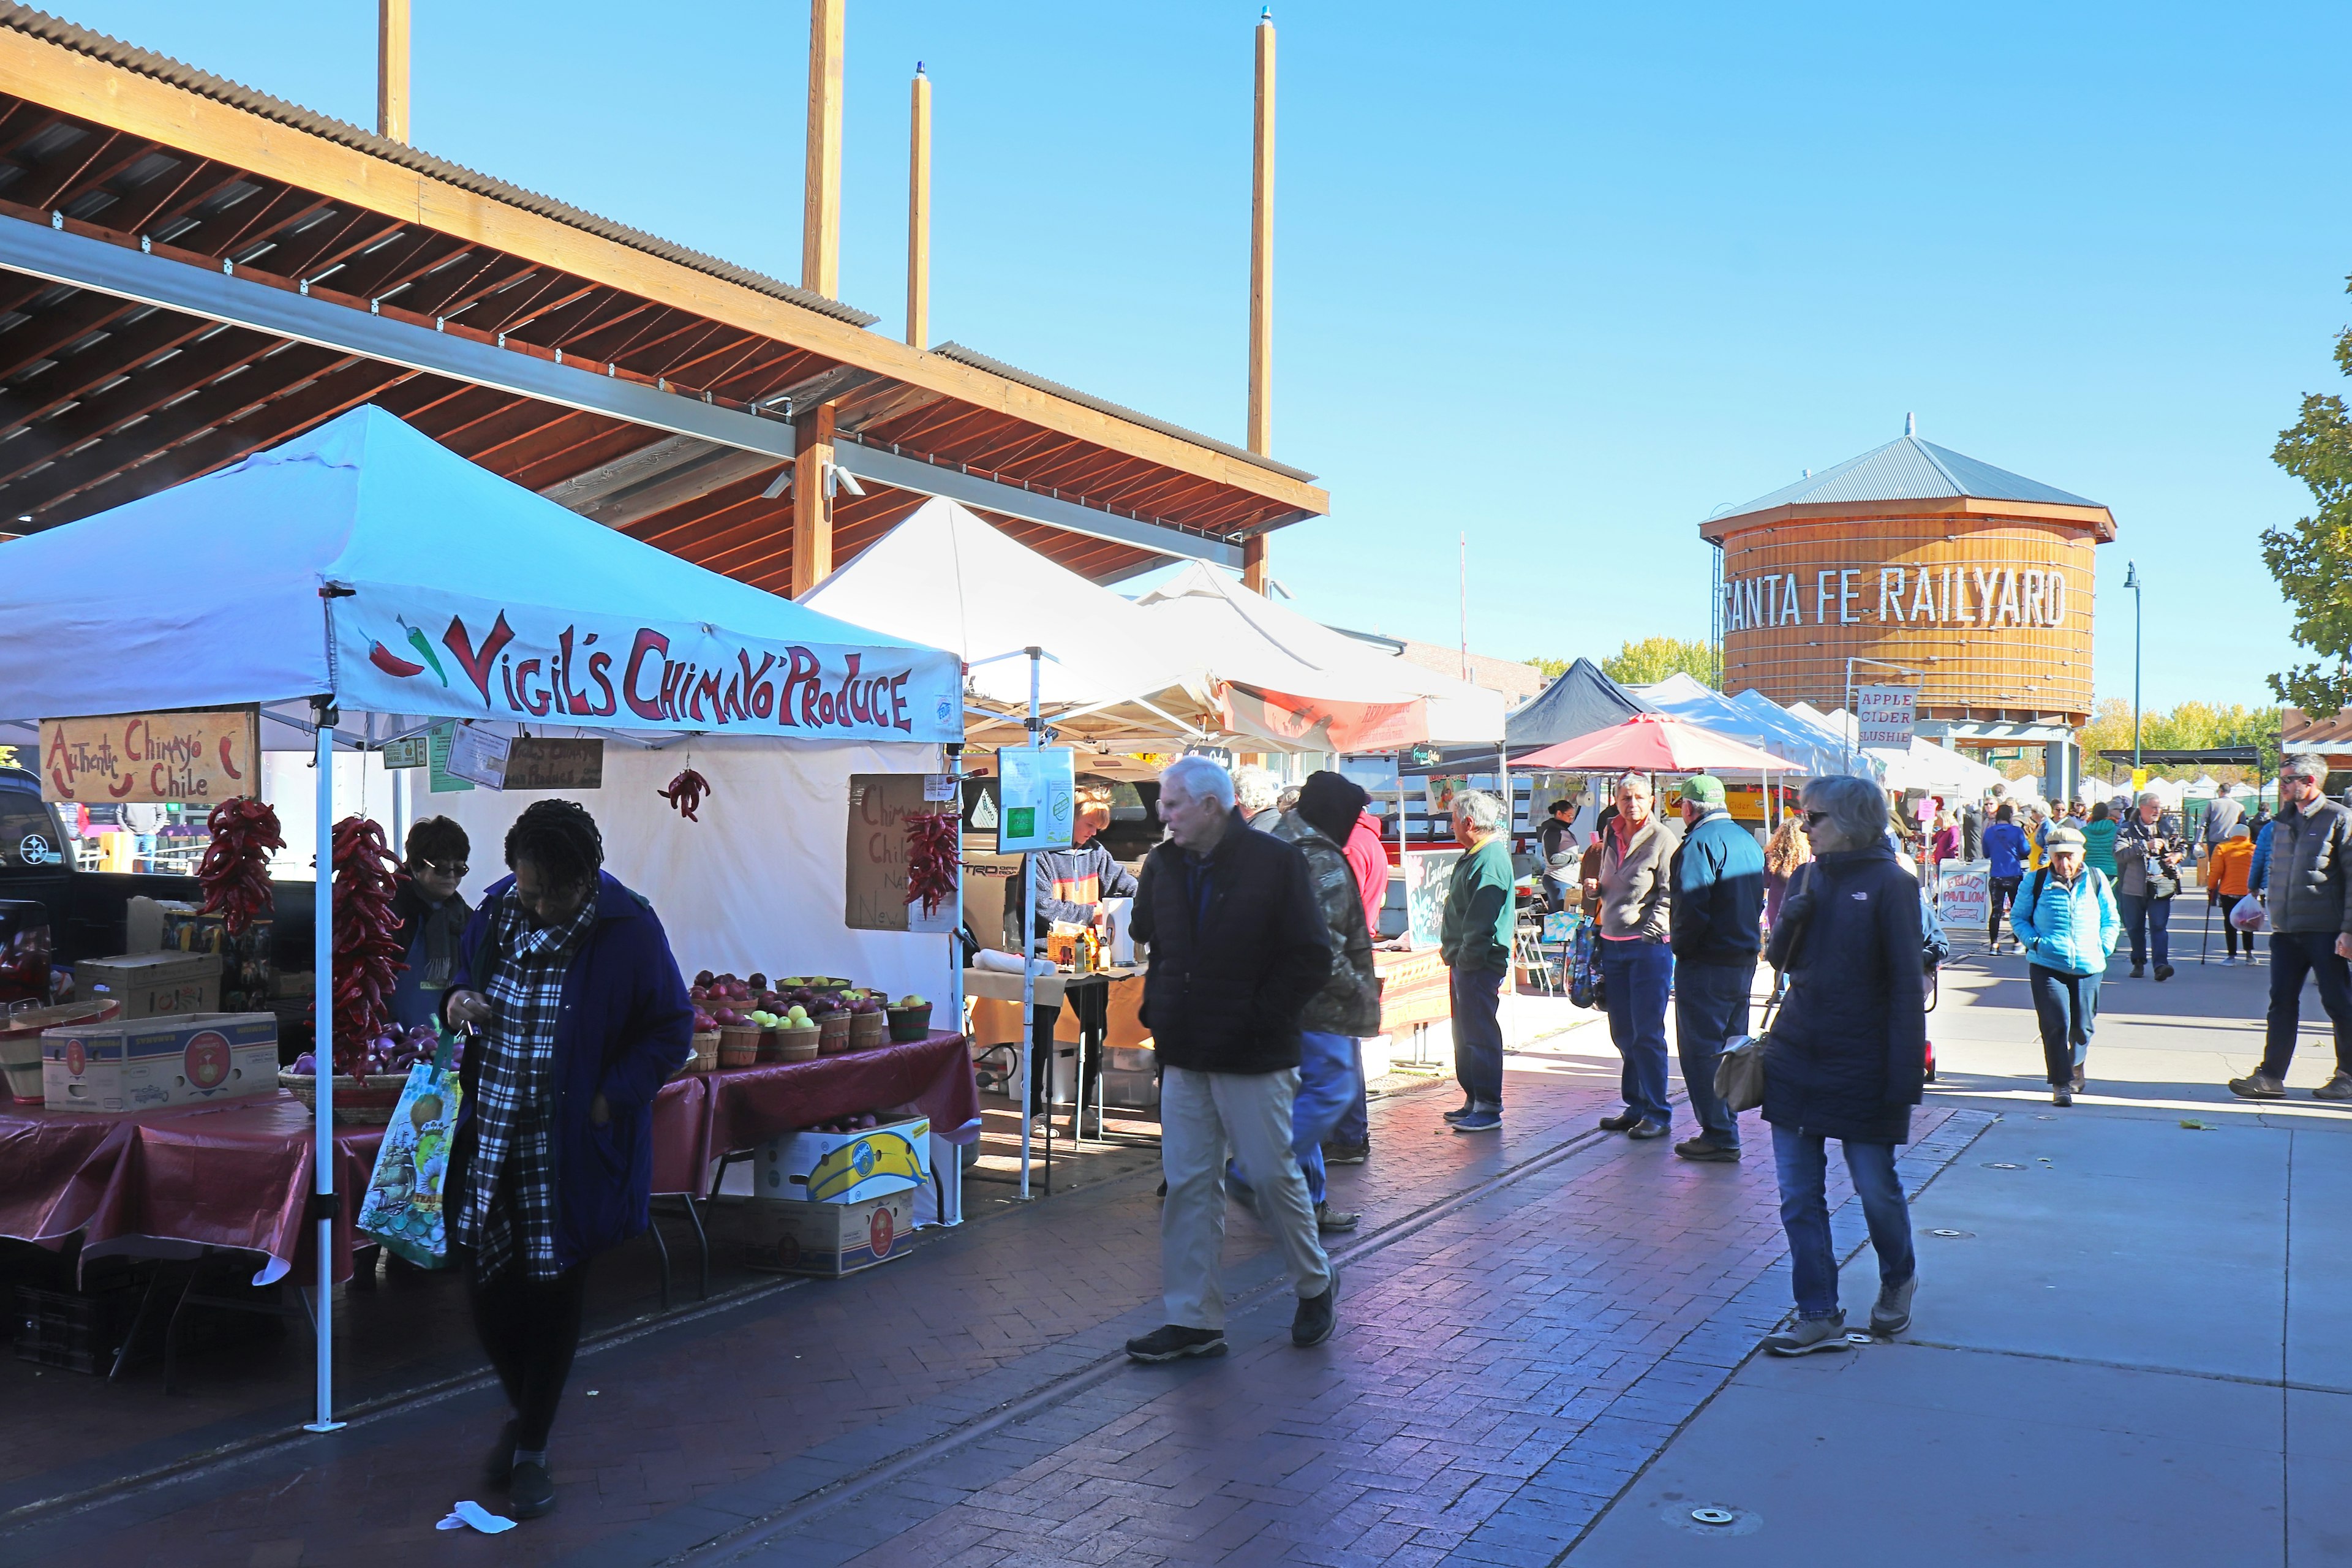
{"x": 235, "y": 869}
{"x": 931, "y": 859}
{"x": 686, "y": 793}
{"x": 367, "y": 954}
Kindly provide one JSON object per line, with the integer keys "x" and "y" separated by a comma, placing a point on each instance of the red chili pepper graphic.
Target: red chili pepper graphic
{"x": 391, "y": 663}
{"x": 228, "y": 764}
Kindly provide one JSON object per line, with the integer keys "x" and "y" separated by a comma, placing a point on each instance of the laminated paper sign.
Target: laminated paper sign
{"x": 1039, "y": 788}
{"x": 191, "y": 757}
{"x": 1886, "y": 714}
{"x": 478, "y": 756}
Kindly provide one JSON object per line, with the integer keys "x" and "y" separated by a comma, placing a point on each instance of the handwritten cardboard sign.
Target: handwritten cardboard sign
{"x": 535, "y": 762}
{"x": 193, "y": 757}
{"x": 874, "y": 895}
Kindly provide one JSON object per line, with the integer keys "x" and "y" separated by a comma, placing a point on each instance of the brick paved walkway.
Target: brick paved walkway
{"x": 1509, "y": 1354}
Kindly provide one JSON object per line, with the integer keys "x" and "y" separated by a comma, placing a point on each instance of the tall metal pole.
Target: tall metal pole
{"x": 2131, "y": 581}
{"x": 322, "y": 1053}
{"x": 1028, "y": 937}
{"x": 1260, "y": 434}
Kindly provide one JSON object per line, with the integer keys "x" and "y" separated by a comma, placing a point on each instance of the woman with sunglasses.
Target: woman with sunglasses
{"x": 432, "y": 916}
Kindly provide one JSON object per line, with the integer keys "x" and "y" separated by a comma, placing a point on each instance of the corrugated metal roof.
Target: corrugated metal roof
{"x": 1907, "y": 468}
{"x": 114, "y": 51}
{"x": 978, "y": 361}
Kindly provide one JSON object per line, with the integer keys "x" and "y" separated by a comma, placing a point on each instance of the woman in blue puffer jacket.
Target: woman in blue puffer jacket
{"x": 2065, "y": 916}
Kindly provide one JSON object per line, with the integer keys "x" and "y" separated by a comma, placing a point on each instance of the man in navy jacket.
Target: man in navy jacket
{"x": 582, "y": 1016}
{"x": 1716, "y": 928}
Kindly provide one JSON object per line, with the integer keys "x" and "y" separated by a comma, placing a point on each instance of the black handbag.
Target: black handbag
{"x": 1739, "y": 1070}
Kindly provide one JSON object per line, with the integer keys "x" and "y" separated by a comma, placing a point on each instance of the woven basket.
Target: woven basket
{"x": 706, "y": 1052}
{"x": 791, "y": 1045}
{"x": 867, "y": 1030}
{"x": 833, "y": 1034}
{"x": 909, "y": 1024}
{"x": 739, "y": 1044}
{"x": 366, "y": 1101}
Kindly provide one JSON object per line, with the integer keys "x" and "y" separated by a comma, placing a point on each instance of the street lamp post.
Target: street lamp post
{"x": 2131, "y": 581}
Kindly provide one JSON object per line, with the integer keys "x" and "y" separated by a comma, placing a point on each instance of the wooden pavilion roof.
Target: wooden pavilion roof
{"x": 109, "y": 396}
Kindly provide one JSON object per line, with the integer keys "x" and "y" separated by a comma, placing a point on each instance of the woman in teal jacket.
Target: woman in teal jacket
{"x": 2065, "y": 916}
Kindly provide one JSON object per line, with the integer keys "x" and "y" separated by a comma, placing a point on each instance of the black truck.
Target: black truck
{"x": 88, "y": 908}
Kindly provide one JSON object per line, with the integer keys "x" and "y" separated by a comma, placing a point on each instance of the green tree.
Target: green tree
{"x": 2313, "y": 560}
{"x": 1650, "y": 660}
{"x": 1553, "y": 668}
{"x": 2192, "y": 726}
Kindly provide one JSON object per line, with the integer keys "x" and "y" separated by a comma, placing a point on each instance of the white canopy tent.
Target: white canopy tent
{"x": 1750, "y": 717}
{"x": 1105, "y": 673}
{"x": 364, "y": 569}
{"x": 1297, "y": 683}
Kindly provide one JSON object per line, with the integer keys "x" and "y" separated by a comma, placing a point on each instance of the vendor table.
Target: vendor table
{"x": 749, "y": 1105}
{"x": 1088, "y": 998}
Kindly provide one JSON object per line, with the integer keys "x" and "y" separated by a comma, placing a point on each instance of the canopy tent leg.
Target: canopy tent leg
{"x": 1029, "y": 960}
{"x": 322, "y": 1052}
{"x": 939, "y": 1146}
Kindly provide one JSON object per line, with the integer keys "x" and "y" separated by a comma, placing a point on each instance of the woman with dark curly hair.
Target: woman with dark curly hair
{"x": 582, "y": 1016}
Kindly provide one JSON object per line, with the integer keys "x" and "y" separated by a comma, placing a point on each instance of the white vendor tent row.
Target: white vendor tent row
{"x": 365, "y": 569}
{"x": 1924, "y": 765}
{"x": 1296, "y": 682}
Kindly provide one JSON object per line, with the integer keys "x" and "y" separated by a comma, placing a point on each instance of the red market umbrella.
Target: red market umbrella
{"x": 1653, "y": 743}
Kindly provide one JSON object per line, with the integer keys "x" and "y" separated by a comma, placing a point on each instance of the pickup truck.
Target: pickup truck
{"x": 88, "y": 908}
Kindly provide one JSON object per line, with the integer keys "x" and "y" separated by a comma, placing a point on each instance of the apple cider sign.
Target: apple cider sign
{"x": 209, "y": 755}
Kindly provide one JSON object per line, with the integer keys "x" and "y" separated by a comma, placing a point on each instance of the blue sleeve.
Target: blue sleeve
{"x": 2258, "y": 877}
{"x": 661, "y": 1024}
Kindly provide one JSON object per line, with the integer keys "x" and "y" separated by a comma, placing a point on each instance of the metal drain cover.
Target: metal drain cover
{"x": 2002, "y": 1165}
{"x": 1952, "y": 1235}
{"x": 1712, "y": 1515}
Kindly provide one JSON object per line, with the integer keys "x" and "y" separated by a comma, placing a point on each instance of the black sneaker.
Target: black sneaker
{"x": 497, "y": 1466}
{"x": 1346, "y": 1153}
{"x": 1317, "y": 1316}
{"x": 2257, "y": 1085}
{"x": 2139, "y": 971}
{"x": 1704, "y": 1149}
{"x": 1624, "y": 1121}
{"x": 1649, "y": 1130}
{"x": 1171, "y": 1342}
{"x": 1808, "y": 1335}
{"x": 1469, "y": 1108}
{"x": 2164, "y": 971}
{"x": 530, "y": 1492}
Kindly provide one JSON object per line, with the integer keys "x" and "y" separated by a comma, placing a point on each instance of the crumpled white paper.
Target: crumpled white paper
{"x": 473, "y": 1514}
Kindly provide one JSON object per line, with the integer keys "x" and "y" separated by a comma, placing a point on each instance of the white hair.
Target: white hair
{"x": 1254, "y": 789}
{"x": 1198, "y": 776}
{"x": 1479, "y": 809}
{"x": 2305, "y": 766}
{"x": 2149, "y": 797}
{"x": 1638, "y": 783}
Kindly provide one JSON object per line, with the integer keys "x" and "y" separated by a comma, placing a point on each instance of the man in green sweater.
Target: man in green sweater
{"x": 1474, "y": 939}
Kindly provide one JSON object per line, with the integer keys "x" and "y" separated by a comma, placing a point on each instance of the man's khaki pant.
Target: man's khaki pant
{"x": 1201, "y": 1114}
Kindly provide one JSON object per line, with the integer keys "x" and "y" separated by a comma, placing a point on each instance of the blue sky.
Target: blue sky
{"x": 1565, "y": 276}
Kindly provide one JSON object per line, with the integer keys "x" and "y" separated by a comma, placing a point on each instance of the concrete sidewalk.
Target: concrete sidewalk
{"x": 2132, "y": 1341}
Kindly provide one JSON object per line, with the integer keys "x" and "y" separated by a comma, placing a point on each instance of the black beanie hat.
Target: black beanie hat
{"x": 1330, "y": 803}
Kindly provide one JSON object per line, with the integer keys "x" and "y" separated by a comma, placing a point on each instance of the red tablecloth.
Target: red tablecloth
{"x": 235, "y": 1174}
{"x": 749, "y": 1105}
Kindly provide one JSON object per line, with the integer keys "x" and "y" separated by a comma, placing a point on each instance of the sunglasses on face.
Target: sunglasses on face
{"x": 1814, "y": 816}
{"x": 444, "y": 867}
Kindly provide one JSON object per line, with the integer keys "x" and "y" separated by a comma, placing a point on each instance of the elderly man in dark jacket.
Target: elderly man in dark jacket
{"x": 1847, "y": 1057}
{"x": 1238, "y": 950}
{"x": 2308, "y": 898}
{"x": 583, "y": 1016}
{"x": 1715, "y": 922}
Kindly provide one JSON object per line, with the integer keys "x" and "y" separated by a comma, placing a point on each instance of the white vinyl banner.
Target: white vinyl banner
{"x": 404, "y": 649}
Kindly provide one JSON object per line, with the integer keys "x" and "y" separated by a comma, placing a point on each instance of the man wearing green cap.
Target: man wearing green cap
{"x": 1716, "y": 920}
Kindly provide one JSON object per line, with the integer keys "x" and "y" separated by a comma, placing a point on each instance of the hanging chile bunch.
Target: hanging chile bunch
{"x": 235, "y": 869}
{"x": 367, "y": 954}
{"x": 931, "y": 856}
{"x": 686, "y": 793}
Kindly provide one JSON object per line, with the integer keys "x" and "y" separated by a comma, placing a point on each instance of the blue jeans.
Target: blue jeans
{"x": 1637, "y": 975}
{"x": 1478, "y": 1034}
{"x": 1710, "y": 1006}
{"x": 2148, "y": 921}
{"x": 2068, "y": 1008}
{"x": 1354, "y": 1127}
{"x": 1329, "y": 1079}
{"x": 1802, "y": 1163}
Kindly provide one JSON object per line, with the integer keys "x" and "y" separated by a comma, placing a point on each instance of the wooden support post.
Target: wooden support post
{"x": 392, "y": 69}
{"x": 812, "y": 508}
{"x": 918, "y": 213}
{"x": 1260, "y": 324}
{"x": 821, "y": 191}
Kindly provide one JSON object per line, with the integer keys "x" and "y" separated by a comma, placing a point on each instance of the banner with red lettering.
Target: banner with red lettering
{"x": 399, "y": 649}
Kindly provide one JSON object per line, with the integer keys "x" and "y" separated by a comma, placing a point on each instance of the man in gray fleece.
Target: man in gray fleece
{"x": 1635, "y": 889}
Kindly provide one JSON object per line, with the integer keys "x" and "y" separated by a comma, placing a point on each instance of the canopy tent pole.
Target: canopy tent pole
{"x": 956, "y": 961}
{"x": 1029, "y": 947}
{"x": 1510, "y": 841}
{"x": 322, "y": 1156}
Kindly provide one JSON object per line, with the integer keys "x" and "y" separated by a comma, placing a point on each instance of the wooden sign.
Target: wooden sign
{"x": 536, "y": 763}
{"x": 204, "y": 756}
{"x": 875, "y": 892}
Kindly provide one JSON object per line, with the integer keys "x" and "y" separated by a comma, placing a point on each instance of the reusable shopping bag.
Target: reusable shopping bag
{"x": 402, "y": 1206}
